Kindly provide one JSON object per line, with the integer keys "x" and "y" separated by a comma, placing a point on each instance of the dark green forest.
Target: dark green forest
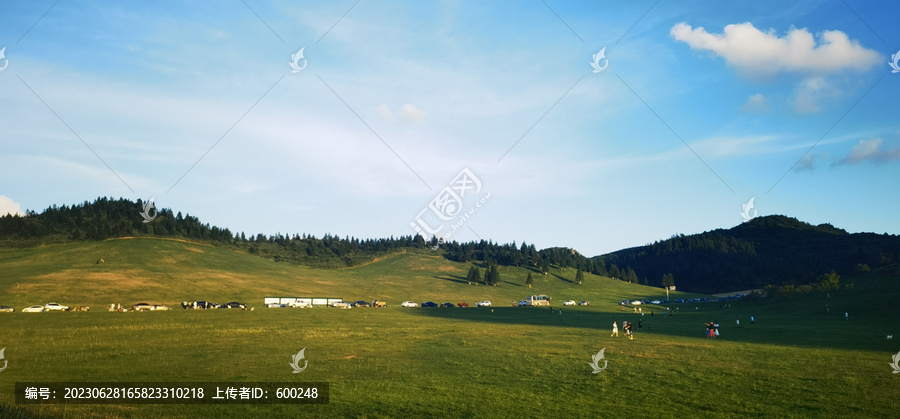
{"x": 767, "y": 250}
{"x": 107, "y": 218}
{"x": 774, "y": 250}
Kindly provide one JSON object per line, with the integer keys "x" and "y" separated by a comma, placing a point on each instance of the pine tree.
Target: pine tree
{"x": 579, "y": 276}
{"x": 476, "y": 277}
{"x": 545, "y": 266}
{"x": 494, "y": 276}
{"x": 529, "y": 281}
{"x": 471, "y": 275}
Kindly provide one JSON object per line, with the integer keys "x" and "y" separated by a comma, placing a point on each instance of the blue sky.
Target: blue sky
{"x": 702, "y": 105}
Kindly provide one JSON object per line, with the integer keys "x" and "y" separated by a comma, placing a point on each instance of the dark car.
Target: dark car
{"x": 361, "y": 303}
{"x": 233, "y": 304}
{"x": 623, "y": 302}
{"x": 680, "y": 300}
{"x": 450, "y": 305}
{"x": 646, "y": 301}
{"x": 429, "y": 304}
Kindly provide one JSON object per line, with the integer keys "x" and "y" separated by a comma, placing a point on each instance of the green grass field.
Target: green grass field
{"x": 797, "y": 360}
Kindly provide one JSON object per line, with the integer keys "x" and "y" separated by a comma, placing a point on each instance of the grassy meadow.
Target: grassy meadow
{"x": 799, "y": 359}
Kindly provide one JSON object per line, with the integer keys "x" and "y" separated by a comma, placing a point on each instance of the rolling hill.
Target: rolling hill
{"x": 766, "y": 250}
{"x": 169, "y": 271}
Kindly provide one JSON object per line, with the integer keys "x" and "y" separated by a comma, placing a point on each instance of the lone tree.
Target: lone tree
{"x": 579, "y": 276}
{"x": 529, "y": 281}
{"x": 545, "y": 266}
{"x": 476, "y": 275}
{"x": 493, "y": 277}
{"x": 471, "y": 275}
{"x": 830, "y": 281}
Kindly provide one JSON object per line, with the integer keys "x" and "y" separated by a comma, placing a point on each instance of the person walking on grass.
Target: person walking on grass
{"x": 640, "y": 324}
{"x": 615, "y": 330}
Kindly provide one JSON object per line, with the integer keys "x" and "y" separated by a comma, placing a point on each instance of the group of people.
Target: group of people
{"x": 712, "y": 329}
{"x": 627, "y": 330}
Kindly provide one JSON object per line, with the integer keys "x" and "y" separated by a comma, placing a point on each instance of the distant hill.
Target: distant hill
{"x": 108, "y": 218}
{"x": 766, "y": 250}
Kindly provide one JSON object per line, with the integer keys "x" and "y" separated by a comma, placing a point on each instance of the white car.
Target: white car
{"x": 484, "y": 303}
{"x": 569, "y": 303}
{"x": 656, "y": 302}
{"x": 408, "y": 304}
{"x": 55, "y": 307}
{"x": 34, "y": 309}
{"x": 636, "y": 302}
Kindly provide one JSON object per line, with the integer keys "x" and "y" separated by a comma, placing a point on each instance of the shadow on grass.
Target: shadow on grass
{"x": 779, "y": 329}
{"x": 452, "y": 278}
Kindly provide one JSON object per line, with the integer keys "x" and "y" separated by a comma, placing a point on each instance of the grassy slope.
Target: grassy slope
{"x": 169, "y": 271}
{"x": 797, "y": 359}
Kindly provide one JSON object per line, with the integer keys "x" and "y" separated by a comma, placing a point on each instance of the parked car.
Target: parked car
{"x": 584, "y": 303}
{"x": 233, "y": 304}
{"x": 523, "y": 303}
{"x": 447, "y": 305}
{"x": 656, "y": 302}
{"x": 429, "y": 304}
{"x": 141, "y": 307}
{"x": 569, "y": 303}
{"x": 55, "y": 307}
{"x": 636, "y": 302}
{"x": 203, "y": 305}
{"x": 361, "y": 303}
{"x": 377, "y": 303}
{"x": 645, "y": 301}
{"x": 6, "y": 309}
{"x": 34, "y": 309}
{"x": 623, "y": 302}
{"x": 408, "y": 304}
{"x": 484, "y": 303}
{"x": 463, "y": 304}
{"x": 680, "y": 300}
{"x": 340, "y": 304}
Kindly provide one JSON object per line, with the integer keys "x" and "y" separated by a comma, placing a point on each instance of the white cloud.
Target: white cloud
{"x": 871, "y": 150}
{"x": 8, "y": 206}
{"x": 411, "y": 113}
{"x": 756, "y": 53}
{"x": 756, "y": 104}
{"x": 407, "y": 112}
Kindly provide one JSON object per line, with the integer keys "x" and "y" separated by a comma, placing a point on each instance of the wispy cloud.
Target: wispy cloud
{"x": 756, "y": 104}
{"x": 871, "y": 150}
{"x": 407, "y": 112}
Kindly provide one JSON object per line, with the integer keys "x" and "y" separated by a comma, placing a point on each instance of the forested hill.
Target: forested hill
{"x": 766, "y": 250}
{"x": 106, "y": 218}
